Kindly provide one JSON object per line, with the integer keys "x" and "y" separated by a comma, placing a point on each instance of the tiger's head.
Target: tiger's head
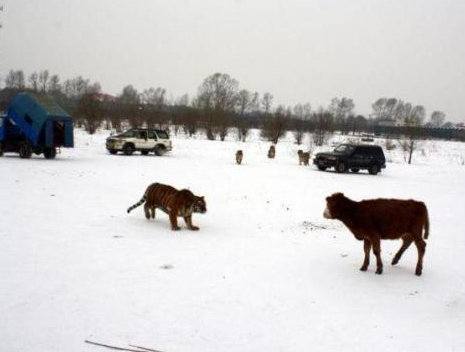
{"x": 200, "y": 206}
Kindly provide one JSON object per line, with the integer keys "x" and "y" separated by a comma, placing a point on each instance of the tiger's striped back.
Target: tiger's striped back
{"x": 171, "y": 201}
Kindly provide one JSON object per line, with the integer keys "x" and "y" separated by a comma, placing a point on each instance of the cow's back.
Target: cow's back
{"x": 391, "y": 218}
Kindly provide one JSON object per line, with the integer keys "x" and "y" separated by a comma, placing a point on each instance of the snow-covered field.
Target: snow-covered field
{"x": 266, "y": 271}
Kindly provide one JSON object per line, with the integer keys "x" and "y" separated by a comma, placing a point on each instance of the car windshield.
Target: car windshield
{"x": 344, "y": 148}
{"x": 127, "y": 134}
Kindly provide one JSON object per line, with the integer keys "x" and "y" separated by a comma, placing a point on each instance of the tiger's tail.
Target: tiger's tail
{"x": 138, "y": 204}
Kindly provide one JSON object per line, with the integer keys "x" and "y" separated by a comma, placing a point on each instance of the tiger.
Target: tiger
{"x": 239, "y": 156}
{"x": 173, "y": 202}
{"x": 303, "y": 157}
{"x": 299, "y": 153}
{"x": 271, "y": 152}
{"x": 306, "y": 158}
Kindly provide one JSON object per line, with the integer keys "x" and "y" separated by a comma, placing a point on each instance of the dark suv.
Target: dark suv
{"x": 353, "y": 157}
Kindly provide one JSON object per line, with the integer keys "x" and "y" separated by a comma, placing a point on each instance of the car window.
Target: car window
{"x": 344, "y": 148}
{"x": 128, "y": 134}
{"x": 152, "y": 135}
{"x": 163, "y": 135}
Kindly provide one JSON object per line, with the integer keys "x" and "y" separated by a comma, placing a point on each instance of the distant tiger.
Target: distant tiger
{"x": 303, "y": 157}
{"x": 272, "y": 152}
{"x": 173, "y": 202}
{"x": 239, "y": 156}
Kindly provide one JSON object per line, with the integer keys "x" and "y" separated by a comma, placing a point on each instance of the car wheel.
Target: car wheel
{"x": 159, "y": 151}
{"x": 341, "y": 168}
{"x": 113, "y": 152}
{"x": 128, "y": 149}
{"x": 321, "y": 168}
{"x": 374, "y": 169}
{"x": 144, "y": 152}
{"x": 50, "y": 153}
{"x": 1, "y": 149}
{"x": 25, "y": 151}
{"x": 355, "y": 170}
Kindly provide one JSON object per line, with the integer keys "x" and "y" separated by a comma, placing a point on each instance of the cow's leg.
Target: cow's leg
{"x": 406, "y": 241}
{"x": 188, "y": 220}
{"x": 376, "y": 242}
{"x": 421, "y": 246}
{"x": 366, "y": 261}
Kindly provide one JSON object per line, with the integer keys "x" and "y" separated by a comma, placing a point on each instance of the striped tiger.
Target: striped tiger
{"x": 239, "y": 156}
{"x": 173, "y": 202}
{"x": 272, "y": 152}
{"x": 303, "y": 157}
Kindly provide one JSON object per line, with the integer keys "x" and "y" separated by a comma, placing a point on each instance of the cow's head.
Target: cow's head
{"x": 334, "y": 206}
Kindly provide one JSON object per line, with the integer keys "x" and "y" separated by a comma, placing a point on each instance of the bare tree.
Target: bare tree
{"x": 437, "y": 118}
{"x": 75, "y": 87}
{"x": 155, "y": 97}
{"x": 90, "y": 108}
{"x": 43, "y": 80}
{"x": 54, "y": 85}
{"x": 131, "y": 105}
{"x": 342, "y": 109}
{"x": 267, "y": 102}
{"x": 413, "y": 117}
{"x": 246, "y": 101}
{"x": 15, "y": 80}
{"x": 33, "y": 80}
{"x": 276, "y": 125}
{"x": 302, "y": 113}
{"x": 323, "y": 126}
{"x": 183, "y": 100}
{"x": 384, "y": 109}
{"x": 217, "y": 98}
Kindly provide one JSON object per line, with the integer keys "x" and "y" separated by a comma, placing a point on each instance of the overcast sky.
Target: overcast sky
{"x": 299, "y": 50}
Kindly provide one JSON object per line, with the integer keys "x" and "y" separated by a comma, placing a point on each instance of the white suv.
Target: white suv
{"x": 145, "y": 140}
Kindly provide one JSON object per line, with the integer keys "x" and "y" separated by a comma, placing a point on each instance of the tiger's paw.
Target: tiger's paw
{"x": 177, "y": 228}
{"x": 194, "y": 228}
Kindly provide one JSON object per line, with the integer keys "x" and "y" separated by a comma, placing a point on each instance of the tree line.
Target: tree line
{"x": 220, "y": 107}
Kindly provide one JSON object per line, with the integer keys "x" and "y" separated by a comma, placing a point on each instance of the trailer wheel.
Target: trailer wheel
{"x": 50, "y": 153}
{"x": 25, "y": 151}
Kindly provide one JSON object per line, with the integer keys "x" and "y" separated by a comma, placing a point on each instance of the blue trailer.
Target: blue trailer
{"x": 35, "y": 124}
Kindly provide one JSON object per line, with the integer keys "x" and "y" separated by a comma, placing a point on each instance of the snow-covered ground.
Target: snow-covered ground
{"x": 266, "y": 271}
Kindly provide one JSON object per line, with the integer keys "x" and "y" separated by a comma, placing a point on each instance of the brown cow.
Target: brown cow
{"x": 382, "y": 219}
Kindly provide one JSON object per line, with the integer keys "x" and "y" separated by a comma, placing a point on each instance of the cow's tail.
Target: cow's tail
{"x": 138, "y": 204}
{"x": 426, "y": 224}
